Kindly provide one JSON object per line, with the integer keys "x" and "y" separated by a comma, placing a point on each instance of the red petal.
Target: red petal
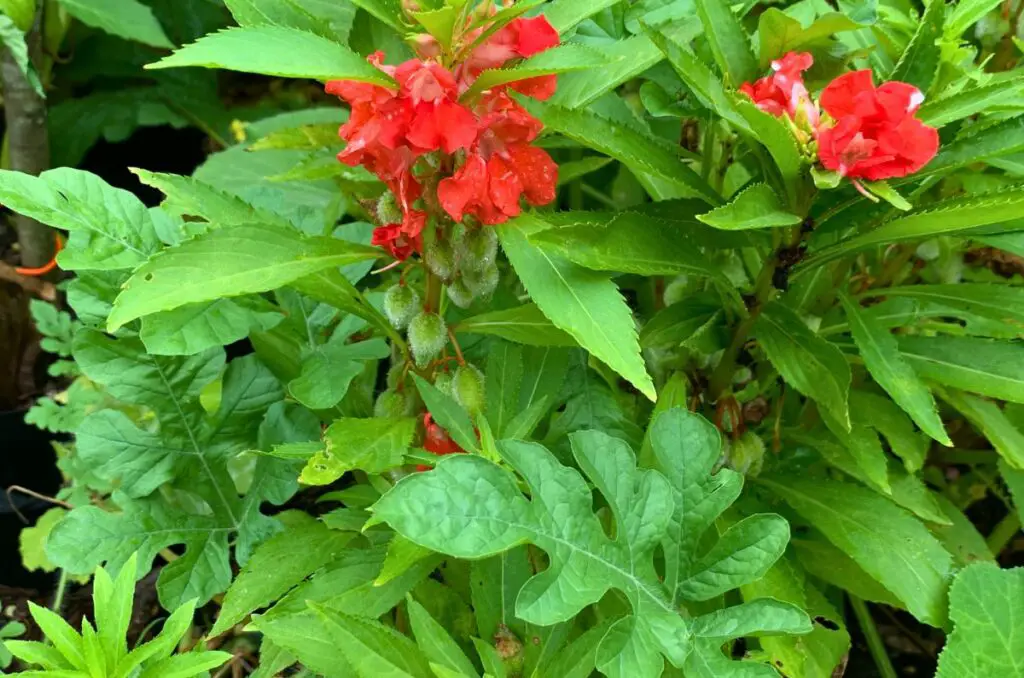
{"x": 541, "y": 88}
{"x": 457, "y": 125}
{"x": 464, "y": 188}
{"x": 537, "y": 172}
{"x": 535, "y": 35}
{"x": 505, "y": 186}
{"x": 844, "y": 95}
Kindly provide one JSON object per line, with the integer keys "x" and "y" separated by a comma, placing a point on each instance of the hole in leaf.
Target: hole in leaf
{"x": 827, "y": 623}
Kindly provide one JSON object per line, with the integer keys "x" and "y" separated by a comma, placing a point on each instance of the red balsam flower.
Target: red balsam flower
{"x": 437, "y": 441}
{"x": 783, "y": 92}
{"x": 875, "y": 135}
{"x": 391, "y": 128}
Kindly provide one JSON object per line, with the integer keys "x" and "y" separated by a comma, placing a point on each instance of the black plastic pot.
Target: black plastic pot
{"x": 27, "y": 460}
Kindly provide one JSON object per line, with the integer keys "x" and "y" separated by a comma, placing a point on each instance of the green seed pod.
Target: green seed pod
{"x": 428, "y": 334}
{"x": 476, "y": 248}
{"x": 388, "y": 211}
{"x": 401, "y": 303}
{"x": 484, "y": 282}
{"x": 440, "y": 259}
{"x": 460, "y": 294}
{"x": 444, "y": 383}
{"x": 745, "y": 454}
{"x": 468, "y": 388}
{"x": 390, "y": 404}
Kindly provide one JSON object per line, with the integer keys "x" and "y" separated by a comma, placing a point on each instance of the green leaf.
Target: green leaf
{"x": 524, "y": 324}
{"x": 186, "y": 665}
{"x": 228, "y": 262}
{"x": 919, "y": 63}
{"x": 32, "y": 540}
{"x": 564, "y": 14}
{"x": 678, "y": 323}
{"x": 332, "y": 20}
{"x": 941, "y": 218}
{"x": 775, "y": 134}
{"x": 276, "y": 566}
{"x": 110, "y": 228}
{"x": 112, "y": 608}
{"x": 966, "y": 13}
{"x": 436, "y": 644}
{"x": 882, "y": 189}
{"x": 189, "y": 196}
{"x": 191, "y": 447}
{"x": 13, "y": 39}
{"x": 1002, "y": 303}
{"x": 503, "y": 377}
{"x": 627, "y": 59}
{"x": 988, "y": 143}
{"x": 729, "y": 42}
{"x": 779, "y": 33}
{"x": 58, "y": 632}
{"x": 276, "y": 50}
{"x": 561, "y": 59}
{"x": 387, "y": 11}
{"x": 990, "y": 368}
{"x": 128, "y": 19}
{"x": 947, "y": 109}
{"x": 888, "y": 543}
{"x": 192, "y": 329}
{"x": 586, "y": 304}
{"x": 372, "y": 445}
{"x": 808, "y": 363}
{"x": 988, "y": 418}
{"x": 572, "y": 170}
{"x": 372, "y": 649}
{"x": 881, "y": 355}
{"x": 448, "y": 414}
{"x": 754, "y": 207}
{"x": 329, "y": 370}
{"x": 640, "y": 152}
{"x": 988, "y": 633}
{"x": 42, "y": 654}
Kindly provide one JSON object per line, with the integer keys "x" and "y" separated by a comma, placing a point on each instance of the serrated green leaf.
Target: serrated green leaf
{"x": 586, "y": 304}
{"x": 990, "y": 368}
{"x": 755, "y": 207}
{"x": 276, "y": 50}
{"x": 988, "y": 633}
{"x": 373, "y": 649}
{"x": 276, "y": 566}
{"x": 965, "y": 14}
{"x": 372, "y": 445}
{"x": 228, "y": 262}
{"x": 564, "y": 14}
{"x": 947, "y": 109}
{"x": 779, "y": 33}
{"x": 985, "y": 145}
{"x": 1002, "y": 303}
{"x": 41, "y": 654}
{"x": 59, "y": 632}
{"x": 110, "y": 228}
{"x": 627, "y": 59}
{"x": 941, "y": 218}
{"x": 881, "y": 355}
{"x": 524, "y": 324}
{"x": 197, "y": 327}
{"x": 729, "y": 42}
{"x": 890, "y": 544}
{"x": 328, "y": 371}
{"x": 775, "y": 134}
{"x": 919, "y": 63}
{"x": 678, "y": 323}
{"x": 562, "y": 59}
{"x": 436, "y": 644}
{"x": 810, "y": 364}
{"x": 128, "y": 19}
{"x": 332, "y": 20}
{"x": 640, "y": 152}
{"x": 988, "y": 418}
{"x": 186, "y": 665}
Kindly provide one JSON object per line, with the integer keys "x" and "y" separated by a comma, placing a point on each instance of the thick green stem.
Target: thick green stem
{"x": 28, "y": 141}
{"x": 876, "y": 646}
{"x": 1003, "y": 533}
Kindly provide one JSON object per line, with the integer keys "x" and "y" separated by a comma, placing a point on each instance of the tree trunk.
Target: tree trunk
{"x": 28, "y": 139}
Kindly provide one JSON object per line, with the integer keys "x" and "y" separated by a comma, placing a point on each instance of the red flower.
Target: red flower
{"x": 401, "y": 240}
{"x": 437, "y": 120}
{"x": 437, "y": 441}
{"x": 502, "y": 167}
{"x": 783, "y": 91}
{"x": 875, "y": 135}
{"x": 521, "y": 38}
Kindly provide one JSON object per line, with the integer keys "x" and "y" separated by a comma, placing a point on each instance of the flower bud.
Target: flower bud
{"x": 390, "y": 404}
{"x": 388, "y": 211}
{"x": 460, "y": 294}
{"x": 428, "y": 334}
{"x": 468, "y": 388}
{"x": 401, "y": 303}
{"x": 440, "y": 259}
{"x": 476, "y": 248}
{"x": 482, "y": 283}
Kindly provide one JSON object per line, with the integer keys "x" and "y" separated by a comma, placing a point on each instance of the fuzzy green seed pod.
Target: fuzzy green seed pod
{"x": 468, "y": 388}
{"x": 745, "y": 454}
{"x": 484, "y": 282}
{"x": 440, "y": 259}
{"x": 401, "y": 303}
{"x": 388, "y": 211}
{"x": 428, "y": 334}
{"x": 460, "y": 294}
{"x": 476, "y": 248}
{"x": 390, "y": 404}
{"x": 444, "y": 383}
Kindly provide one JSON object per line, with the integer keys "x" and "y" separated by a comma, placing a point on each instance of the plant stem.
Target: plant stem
{"x": 1005, "y": 531}
{"x": 875, "y": 644}
{"x": 28, "y": 141}
{"x": 58, "y": 597}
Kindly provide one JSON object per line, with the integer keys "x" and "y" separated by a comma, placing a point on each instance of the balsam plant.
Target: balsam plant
{"x": 101, "y": 650}
{"x": 639, "y": 338}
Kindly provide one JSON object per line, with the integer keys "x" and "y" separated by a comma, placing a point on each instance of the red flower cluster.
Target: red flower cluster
{"x": 437, "y": 441}
{"x": 869, "y": 133}
{"x": 390, "y": 129}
